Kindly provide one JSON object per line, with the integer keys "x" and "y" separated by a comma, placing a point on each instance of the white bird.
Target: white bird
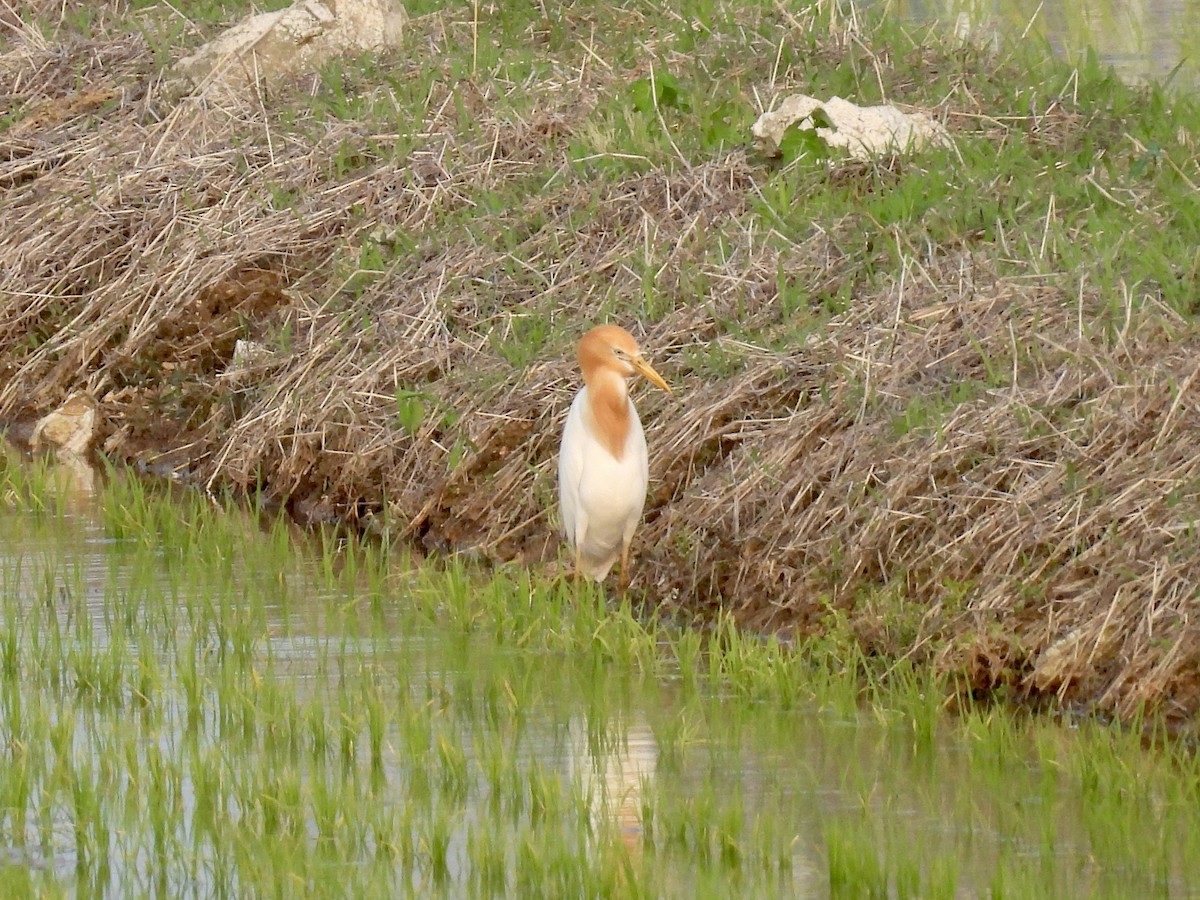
{"x": 602, "y": 464}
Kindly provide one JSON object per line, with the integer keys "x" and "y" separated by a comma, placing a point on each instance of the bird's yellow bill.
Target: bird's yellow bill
{"x": 646, "y": 370}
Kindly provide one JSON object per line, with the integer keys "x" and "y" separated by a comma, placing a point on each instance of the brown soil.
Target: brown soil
{"x": 1037, "y": 537}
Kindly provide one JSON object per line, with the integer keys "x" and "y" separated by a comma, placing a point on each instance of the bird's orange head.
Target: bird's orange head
{"x": 612, "y": 347}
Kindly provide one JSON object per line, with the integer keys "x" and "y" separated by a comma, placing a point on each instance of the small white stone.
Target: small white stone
{"x": 70, "y": 428}
{"x": 246, "y": 355}
{"x": 272, "y": 46}
{"x": 863, "y": 132}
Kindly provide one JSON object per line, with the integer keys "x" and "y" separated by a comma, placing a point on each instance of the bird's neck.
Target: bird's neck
{"x": 608, "y": 405}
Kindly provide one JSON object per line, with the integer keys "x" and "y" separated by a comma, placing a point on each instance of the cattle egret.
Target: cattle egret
{"x": 602, "y": 464}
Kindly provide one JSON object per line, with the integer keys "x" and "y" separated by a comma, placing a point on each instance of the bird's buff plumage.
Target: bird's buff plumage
{"x": 602, "y": 464}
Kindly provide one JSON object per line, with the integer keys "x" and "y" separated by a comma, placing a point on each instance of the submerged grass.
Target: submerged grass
{"x": 198, "y": 700}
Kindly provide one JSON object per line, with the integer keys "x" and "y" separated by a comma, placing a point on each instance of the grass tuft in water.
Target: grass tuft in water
{"x": 192, "y": 696}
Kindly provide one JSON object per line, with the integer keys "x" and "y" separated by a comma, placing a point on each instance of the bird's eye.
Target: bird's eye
{"x": 619, "y": 353}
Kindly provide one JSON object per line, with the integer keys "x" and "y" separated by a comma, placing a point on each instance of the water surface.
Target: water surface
{"x": 186, "y": 714}
{"x": 1142, "y": 40}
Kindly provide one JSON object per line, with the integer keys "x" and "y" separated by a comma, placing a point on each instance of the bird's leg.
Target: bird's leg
{"x": 625, "y": 567}
{"x": 578, "y": 575}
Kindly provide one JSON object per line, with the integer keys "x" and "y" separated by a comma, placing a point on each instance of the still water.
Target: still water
{"x": 1142, "y": 40}
{"x": 191, "y": 705}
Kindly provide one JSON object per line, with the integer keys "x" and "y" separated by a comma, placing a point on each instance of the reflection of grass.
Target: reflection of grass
{"x": 261, "y": 715}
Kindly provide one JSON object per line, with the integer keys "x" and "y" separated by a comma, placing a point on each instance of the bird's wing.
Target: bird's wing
{"x": 570, "y": 467}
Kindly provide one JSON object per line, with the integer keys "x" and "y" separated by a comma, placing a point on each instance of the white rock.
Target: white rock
{"x": 247, "y": 355}
{"x": 271, "y": 46}
{"x": 70, "y": 428}
{"x": 863, "y": 131}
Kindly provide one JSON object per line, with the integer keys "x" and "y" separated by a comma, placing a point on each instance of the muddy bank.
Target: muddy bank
{"x": 970, "y": 456}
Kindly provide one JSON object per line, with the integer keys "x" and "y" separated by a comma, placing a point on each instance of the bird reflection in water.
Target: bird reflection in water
{"x": 616, "y": 766}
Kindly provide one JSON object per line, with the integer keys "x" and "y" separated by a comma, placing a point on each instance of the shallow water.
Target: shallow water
{"x": 165, "y": 739}
{"x": 1142, "y": 40}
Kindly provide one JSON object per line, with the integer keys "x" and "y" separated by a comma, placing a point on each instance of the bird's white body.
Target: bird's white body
{"x": 602, "y": 464}
{"x": 600, "y": 496}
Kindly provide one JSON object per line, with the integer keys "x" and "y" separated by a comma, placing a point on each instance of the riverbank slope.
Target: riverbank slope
{"x": 944, "y": 404}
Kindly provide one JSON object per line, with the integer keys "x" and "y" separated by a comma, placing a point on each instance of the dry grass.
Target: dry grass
{"x": 968, "y": 464}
